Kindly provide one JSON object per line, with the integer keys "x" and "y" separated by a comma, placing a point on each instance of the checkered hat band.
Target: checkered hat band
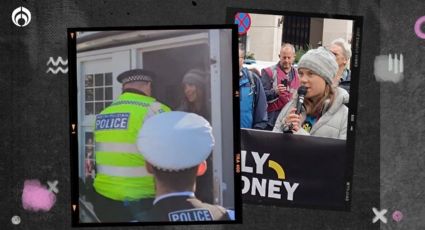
{"x": 137, "y": 78}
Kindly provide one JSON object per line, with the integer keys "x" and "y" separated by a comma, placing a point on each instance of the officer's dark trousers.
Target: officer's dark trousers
{"x": 204, "y": 184}
{"x": 108, "y": 210}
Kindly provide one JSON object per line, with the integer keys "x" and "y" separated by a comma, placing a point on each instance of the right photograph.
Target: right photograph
{"x": 298, "y": 81}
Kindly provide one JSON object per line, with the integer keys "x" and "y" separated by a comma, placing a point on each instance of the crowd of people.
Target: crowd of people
{"x": 269, "y": 101}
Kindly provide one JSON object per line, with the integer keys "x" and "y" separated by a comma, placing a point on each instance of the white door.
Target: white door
{"x": 220, "y": 43}
{"x": 97, "y": 88}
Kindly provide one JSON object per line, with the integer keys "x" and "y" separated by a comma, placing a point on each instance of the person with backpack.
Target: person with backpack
{"x": 280, "y": 82}
{"x": 253, "y": 103}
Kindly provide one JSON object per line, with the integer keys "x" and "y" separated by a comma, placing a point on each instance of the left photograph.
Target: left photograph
{"x": 153, "y": 128}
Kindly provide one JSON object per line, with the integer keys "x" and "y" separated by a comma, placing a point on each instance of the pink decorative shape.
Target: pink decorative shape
{"x": 397, "y": 216}
{"x": 36, "y": 197}
{"x": 418, "y": 24}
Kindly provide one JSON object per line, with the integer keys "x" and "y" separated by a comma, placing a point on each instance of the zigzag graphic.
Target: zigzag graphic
{"x": 56, "y": 63}
{"x": 57, "y": 70}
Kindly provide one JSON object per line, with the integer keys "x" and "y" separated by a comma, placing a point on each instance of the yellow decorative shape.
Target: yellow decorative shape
{"x": 278, "y": 169}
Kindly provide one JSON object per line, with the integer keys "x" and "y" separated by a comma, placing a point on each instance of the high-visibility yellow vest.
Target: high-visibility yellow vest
{"x": 121, "y": 174}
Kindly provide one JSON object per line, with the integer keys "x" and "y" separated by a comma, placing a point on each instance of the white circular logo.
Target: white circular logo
{"x": 21, "y": 16}
{"x": 16, "y": 220}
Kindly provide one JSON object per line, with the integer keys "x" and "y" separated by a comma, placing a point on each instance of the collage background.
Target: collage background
{"x": 34, "y": 108}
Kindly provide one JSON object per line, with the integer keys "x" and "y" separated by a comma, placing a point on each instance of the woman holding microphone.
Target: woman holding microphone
{"x": 323, "y": 113}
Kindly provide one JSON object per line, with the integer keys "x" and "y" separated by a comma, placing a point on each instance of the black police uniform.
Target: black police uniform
{"x": 185, "y": 208}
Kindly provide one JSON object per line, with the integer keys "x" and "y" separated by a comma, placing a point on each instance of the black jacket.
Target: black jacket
{"x": 185, "y": 208}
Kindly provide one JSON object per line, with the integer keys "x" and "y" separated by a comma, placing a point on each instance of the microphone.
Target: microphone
{"x": 302, "y": 91}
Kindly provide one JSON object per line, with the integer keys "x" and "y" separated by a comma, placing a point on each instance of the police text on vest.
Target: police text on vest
{"x": 190, "y": 215}
{"x": 112, "y": 121}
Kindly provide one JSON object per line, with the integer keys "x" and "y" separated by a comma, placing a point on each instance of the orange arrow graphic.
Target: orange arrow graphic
{"x": 73, "y": 128}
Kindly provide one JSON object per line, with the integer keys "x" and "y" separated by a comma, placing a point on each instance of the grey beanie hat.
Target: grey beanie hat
{"x": 195, "y": 77}
{"x": 320, "y": 61}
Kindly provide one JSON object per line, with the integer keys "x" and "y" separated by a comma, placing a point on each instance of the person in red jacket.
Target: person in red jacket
{"x": 280, "y": 81}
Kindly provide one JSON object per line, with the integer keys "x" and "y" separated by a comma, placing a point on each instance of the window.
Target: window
{"x": 98, "y": 92}
{"x": 296, "y": 30}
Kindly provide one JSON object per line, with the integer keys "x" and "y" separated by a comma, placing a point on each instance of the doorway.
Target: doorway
{"x": 170, "y": 65}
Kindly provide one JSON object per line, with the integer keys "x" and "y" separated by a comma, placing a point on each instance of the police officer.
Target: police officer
{"x": 175, "y": 146}
{"x": 122, "y": 182}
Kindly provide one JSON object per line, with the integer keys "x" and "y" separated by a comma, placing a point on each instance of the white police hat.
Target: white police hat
{"x": 175, "y": 140}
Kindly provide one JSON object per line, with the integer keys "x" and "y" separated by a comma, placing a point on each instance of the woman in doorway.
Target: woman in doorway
{"x": 324, "y": 113}
{"x": 194, "y": 101}
{"x": 194, "y": 98}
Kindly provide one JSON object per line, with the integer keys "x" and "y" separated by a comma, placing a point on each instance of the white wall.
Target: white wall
{"x": 264, "y": 37}
{"x": 336, "y": 28}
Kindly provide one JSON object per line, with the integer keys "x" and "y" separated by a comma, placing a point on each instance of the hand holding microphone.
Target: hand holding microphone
{"x": 294, "y": 118}
{"x": 302, "y": 91}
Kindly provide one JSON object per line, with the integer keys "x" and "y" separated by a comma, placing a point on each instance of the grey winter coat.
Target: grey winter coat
{"x": 332, "y": 123}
